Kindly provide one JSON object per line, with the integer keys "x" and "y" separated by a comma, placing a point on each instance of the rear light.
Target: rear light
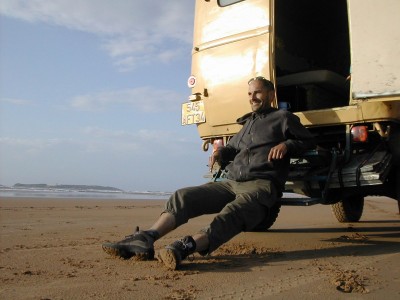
{"x": 217, "y": 143}
{"x": 359, "y": 133}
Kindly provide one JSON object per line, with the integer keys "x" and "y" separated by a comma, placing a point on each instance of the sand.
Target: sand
{"x": 51, "y": 249}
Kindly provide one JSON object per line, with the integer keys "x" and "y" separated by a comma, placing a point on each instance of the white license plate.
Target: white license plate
{"x": 193, "y": 113}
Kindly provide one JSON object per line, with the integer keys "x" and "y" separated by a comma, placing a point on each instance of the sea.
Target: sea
{"x": 11, "y": 192}
{"x": 85, "y": 193}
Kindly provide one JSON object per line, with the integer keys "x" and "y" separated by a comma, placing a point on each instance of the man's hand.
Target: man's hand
{"x": 213, "y": 158}
{"x": 277, "y": 152}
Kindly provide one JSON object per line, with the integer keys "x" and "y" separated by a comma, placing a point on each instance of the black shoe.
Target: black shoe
{"x": 138, "y": 244}
{"x": 172, "y": 255}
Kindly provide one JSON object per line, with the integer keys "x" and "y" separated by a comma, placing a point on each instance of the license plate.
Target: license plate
{"x": 193, "y": 113}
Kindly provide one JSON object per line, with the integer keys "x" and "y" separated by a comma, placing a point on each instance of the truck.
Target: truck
{"x": 334, "y": 64}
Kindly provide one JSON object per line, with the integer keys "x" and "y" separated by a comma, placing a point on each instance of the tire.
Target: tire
{"x": 271, "y": 216}
{"x": 349, "y": 209}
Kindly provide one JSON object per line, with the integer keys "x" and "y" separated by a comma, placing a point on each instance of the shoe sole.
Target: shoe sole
{"x": 168, "y": 258}
{"x": 127, "y": 255}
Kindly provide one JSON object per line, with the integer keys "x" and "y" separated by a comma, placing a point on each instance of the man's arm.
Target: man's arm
{"x": 223, "y": 155}
{"x": 277, "y": 152}
{"x": 299, "y": 138}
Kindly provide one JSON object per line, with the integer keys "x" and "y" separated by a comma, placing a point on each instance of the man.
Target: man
{"x": 257, "y": 160}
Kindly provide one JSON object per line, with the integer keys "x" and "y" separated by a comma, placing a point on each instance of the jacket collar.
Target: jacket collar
{"x": 253, "y": 115}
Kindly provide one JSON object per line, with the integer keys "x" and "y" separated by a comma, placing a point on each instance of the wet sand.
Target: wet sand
{"x": 51, "y": 249}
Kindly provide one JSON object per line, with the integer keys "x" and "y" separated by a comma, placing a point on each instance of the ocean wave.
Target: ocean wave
{"x": 80, "y": 193}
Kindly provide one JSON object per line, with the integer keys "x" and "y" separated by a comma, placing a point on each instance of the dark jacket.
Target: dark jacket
{"x": 249, "y": 148}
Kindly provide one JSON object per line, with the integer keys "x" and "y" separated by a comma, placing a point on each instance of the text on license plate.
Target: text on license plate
{"x": 193, "y": 113}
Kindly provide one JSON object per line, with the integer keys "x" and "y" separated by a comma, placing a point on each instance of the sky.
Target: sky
{"x": 91, "y": 93}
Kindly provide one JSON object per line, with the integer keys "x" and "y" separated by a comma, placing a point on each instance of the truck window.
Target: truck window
{"x": 227, "y": 2}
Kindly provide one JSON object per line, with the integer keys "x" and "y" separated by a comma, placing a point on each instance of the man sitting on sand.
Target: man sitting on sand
{"x": 257, "y": 159}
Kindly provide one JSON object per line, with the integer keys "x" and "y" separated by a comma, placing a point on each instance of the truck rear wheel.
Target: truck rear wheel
{"x": 270, "y": 218}
{"x": 349, "y": 209}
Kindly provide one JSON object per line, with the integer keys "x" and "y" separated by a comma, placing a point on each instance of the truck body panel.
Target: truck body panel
{"x": 375, "y": 50}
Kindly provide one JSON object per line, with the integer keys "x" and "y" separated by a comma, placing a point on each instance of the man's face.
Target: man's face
{"x": 259, "y": 96}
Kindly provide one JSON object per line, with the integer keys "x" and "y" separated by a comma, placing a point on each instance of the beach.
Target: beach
{"x": 51, "y": 249}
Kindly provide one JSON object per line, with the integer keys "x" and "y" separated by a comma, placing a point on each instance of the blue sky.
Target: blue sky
{"x": 91, "y": 93}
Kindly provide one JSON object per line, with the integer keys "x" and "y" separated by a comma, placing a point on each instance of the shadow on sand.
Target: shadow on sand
{"x": 352, "y": 241}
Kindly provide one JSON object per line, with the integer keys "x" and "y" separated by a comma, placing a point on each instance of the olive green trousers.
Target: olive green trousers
{"x": 240, "y": 206}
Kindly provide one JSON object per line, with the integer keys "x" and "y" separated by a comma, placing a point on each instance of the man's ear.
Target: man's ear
{"x": 271, "y": 96}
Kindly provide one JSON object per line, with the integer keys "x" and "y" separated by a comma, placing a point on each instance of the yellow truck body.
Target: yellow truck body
{"x": 335, "y": 64}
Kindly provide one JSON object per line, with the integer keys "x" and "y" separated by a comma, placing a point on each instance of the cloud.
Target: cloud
{"x": 32, "y": 145}
{"x": 131, "y": 31}
{"x": 144, "y": 99}
{"x": 15, "y": 101}
{"x": 141, "y": 135}
{"x": 144, "y": 142}
{"x": 93, "y": 139}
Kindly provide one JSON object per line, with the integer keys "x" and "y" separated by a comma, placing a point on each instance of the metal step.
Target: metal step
{"x": 302, "y": 201}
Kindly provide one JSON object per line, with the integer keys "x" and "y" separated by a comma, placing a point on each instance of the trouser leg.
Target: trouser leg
{"x": 191, "y": 202}
{"x": 245, "y": 212}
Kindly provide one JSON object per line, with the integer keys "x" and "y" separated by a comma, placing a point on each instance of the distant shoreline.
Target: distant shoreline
{"x": 70, "y": 194}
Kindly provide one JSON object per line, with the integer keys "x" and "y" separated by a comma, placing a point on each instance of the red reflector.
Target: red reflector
{"x": 217, "y": 143}
{"x": 359, "y": 133}
{"x": 191, "y": 81}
